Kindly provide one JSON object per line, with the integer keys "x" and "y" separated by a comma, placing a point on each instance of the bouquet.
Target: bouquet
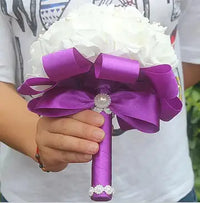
{"x": 113, "y": 61}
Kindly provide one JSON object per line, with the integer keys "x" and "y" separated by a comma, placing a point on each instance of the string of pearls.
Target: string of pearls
{"x": 99, "y": 189}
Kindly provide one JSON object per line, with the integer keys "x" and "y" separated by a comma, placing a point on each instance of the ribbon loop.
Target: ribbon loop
{"x": 116, "y": 68}
{"x": 163, "y": 80}
{"x": 64, "y": 64}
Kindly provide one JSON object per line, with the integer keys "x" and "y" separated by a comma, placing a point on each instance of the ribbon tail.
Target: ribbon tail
{"x": 170, "y": 108}
{"x": 128, "y": 123}
{"x": 139, "y": 110}
{"x": 27, "y": 87}
{"x": 59, "y": 102}
{"x": 124, "y": 125}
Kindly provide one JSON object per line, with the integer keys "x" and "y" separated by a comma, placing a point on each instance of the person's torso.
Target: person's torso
{"x": 145, "y": 167}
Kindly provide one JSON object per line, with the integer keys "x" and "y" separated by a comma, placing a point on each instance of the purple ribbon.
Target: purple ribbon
{"x": 140, "y": 97}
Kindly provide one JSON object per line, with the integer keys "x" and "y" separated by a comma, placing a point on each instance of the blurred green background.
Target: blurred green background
{"x": 193, "y": 108}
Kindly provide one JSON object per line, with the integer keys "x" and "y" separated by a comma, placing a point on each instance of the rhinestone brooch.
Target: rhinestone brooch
{"x": 99, "y": 189}
{"x": 102, "y": 102}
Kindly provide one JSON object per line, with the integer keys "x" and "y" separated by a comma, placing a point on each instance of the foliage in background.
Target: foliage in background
{"x": 193, "y": 108}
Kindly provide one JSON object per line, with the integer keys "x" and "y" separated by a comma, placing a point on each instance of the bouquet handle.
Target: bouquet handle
{"x": 101, "y": 189}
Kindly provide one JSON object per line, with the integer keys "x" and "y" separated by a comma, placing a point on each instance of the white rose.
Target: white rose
{"x": 106, "y": 29}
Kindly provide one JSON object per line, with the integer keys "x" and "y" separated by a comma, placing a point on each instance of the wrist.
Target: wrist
{"x": 30, "y": 144}
{"x": 31, "y": 150}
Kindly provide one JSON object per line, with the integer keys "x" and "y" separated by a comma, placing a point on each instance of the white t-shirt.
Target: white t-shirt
{"x": 146, "y": 167}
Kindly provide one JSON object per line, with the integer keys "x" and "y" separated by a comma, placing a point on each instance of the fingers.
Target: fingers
{"x": 71, "y": 144}
{"x": 89, "y": 117}
{"x": 64, "y": 157}
{"x": 72, "y": 127}
{"x": 69, "y": 140}
{"x": 57, "y": 160}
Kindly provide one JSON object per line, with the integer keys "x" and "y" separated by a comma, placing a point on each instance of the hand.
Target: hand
{"x": 69, "y": 140}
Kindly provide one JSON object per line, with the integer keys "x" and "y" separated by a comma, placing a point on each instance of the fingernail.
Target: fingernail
{"x": 93, "y": 148}
{"x": 99, "y": 134}
{"x": 87, "y": 157}
{"x": 99, "y": 120}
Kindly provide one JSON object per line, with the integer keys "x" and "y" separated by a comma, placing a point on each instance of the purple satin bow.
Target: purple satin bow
{"x": 140, "y": 97}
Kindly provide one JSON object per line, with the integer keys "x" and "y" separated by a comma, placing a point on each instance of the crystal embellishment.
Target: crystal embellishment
{"x": 108, "y": 189}
{"x": 102, "y": 102}
{"x": 99, "y": 189}
{"x": 91, "y": 191}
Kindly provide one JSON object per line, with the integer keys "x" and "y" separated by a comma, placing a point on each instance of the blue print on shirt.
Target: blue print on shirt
{"x": 51, "y": 11}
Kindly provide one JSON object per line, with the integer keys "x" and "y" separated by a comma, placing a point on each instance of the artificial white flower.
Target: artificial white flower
{"x": 107, "y": 29}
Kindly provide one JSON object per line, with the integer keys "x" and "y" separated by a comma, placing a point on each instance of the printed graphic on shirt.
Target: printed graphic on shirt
{"x": 20, "y": 14}
{"x": 3, "y": 5}
{"x": 123, "y": 3}
{"x": 176, "y": 11}
{"x": 101, "y": 2}
{"x": 173, "y": 36}
{"x": 20, "y": 60}
{"x": 146, "y": 6}
{"x": 51, "y": 11}
{"x": 178, "y": 80}
{"x": 176, "y": 70}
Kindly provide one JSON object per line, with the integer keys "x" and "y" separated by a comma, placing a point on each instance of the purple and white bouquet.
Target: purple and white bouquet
{"x": 113, "y": 61}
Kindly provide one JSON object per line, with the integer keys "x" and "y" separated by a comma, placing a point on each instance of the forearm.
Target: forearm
{"x": 191, "y": 74}
{"x": 17, "y": 124}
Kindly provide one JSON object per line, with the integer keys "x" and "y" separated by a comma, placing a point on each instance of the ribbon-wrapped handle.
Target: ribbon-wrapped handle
{"x": 101, "y": 189}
